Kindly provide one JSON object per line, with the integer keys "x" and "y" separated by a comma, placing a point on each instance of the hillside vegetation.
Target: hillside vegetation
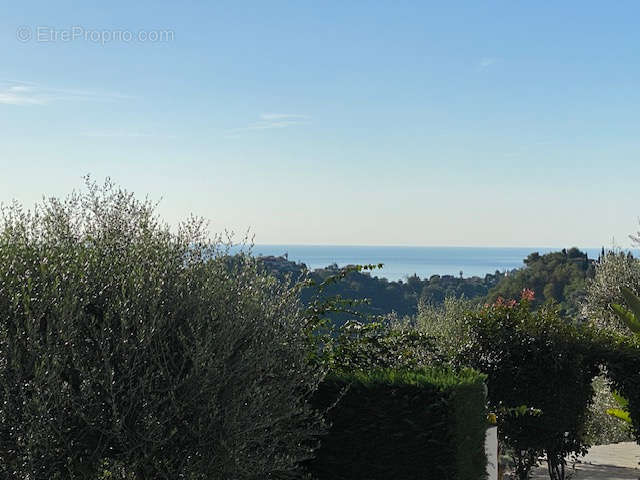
{"x": 558, "y": 276}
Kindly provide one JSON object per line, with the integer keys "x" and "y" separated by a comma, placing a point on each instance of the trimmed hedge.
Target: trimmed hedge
{"x": 423, "y": 424}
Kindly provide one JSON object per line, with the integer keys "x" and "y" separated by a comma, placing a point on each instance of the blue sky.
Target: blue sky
{"x": 401, "y": 123}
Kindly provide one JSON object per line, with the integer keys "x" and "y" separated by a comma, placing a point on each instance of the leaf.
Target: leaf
{"x": 623, "y": 402}
{"x": 619, "y": 414}
{"x": 633, "y": 301}
{"x": 629, "y": 319}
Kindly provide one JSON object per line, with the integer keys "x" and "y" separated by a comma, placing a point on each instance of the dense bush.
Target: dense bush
{"x": 381, "y": 345}
{"x": 130, "y": 347}
{"x": 425, "y": 424}
{"x": 539, "y": 374}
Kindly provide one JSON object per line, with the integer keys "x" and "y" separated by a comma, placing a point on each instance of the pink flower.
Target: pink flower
{"x": 528, "y": 294}
{"x": 501, "y": 302}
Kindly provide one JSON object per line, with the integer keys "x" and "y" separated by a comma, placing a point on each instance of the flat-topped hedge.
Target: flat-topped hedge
{"x": 422, "y": 424}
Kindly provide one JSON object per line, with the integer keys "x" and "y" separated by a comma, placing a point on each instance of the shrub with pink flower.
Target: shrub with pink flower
{"x": 501, "y": 302}
{"x": 528, "y": 295}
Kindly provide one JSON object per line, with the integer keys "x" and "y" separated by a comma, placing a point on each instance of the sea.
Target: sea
{"x": 402, "y": 262}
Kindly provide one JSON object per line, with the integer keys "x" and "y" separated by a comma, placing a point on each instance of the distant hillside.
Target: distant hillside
{"x": 401, "y": 297}
{"x": 559, "y": 276}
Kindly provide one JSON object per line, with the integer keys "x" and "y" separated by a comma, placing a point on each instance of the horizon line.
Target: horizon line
{"x": 437, "y": 246}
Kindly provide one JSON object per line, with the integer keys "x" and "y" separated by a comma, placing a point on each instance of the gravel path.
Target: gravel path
{"x": 618, "y": 461}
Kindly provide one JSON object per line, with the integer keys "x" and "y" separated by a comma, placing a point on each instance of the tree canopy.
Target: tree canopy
{"x": 557, "y": 276}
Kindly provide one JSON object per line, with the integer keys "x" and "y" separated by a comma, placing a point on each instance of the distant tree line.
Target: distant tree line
{"x": 558, "y": 276}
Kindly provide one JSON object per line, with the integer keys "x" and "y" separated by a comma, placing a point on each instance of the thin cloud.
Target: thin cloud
{"x": 124, "y": 134}
{"x": 283, "y": 116}
{"x": 28, "y": 93}
{"x": 270, "y": 121}
{"x": 117, "y": 135}
{"x": 487, "y": 62}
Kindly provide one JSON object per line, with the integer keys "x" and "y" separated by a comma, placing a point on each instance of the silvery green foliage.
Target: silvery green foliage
{"x": 600, "y": 427}
{"x": 126, "y": 345}
{"x": 388, "y": 344}
{"x": 447, "y": 324}
{"x": 613, "y": 271}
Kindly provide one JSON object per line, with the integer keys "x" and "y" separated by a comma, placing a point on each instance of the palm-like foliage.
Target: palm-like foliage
{"x": 630, "y": 315}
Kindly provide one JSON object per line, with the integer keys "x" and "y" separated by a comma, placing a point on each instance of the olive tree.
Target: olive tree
{"x": 147, "y": 351}
{"x": 614, "y": 270}
{"x": 447, "y": 324}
